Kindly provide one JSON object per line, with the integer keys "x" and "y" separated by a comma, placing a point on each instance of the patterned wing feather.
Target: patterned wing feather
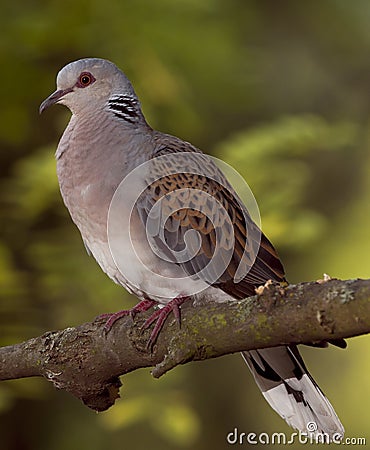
{"x": 206, "y": 228}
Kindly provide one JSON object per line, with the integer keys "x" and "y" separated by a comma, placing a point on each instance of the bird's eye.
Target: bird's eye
{"x": 85, "y": 79}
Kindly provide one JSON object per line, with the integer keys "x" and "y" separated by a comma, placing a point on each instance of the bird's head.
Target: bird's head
{"x": 89, "y": 81}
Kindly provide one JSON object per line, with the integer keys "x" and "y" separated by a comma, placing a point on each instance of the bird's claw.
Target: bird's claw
{"x": 112, "y": 318}
{"x": 159, "y": 317}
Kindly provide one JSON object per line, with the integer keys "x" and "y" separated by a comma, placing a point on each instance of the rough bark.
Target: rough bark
{"x": 87, "y": 362}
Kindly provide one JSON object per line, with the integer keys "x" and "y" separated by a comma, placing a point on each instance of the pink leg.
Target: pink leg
{"x": 159, "y": 317}
{"x": 142, "y": 306}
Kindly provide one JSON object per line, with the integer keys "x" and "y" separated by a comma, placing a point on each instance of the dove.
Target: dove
{"x": 162, "y": 220}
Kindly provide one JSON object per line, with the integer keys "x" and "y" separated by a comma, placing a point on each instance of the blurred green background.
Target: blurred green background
{"x": 280, "y": 90}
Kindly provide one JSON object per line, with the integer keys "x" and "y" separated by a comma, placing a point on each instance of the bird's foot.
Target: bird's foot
{"x": 142, "y": 306}
{"x": 159, "y": 317}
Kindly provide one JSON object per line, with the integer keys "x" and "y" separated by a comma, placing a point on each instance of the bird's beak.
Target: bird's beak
{"x": 53, "y": 98}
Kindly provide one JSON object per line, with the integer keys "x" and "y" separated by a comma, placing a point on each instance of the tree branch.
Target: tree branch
{"x": 87, "y": 363}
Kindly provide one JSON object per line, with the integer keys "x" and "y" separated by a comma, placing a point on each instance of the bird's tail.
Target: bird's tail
{"x": 291, "y": 391}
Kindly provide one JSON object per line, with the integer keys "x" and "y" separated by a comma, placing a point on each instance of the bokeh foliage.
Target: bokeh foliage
{"x": 280, "y": 90}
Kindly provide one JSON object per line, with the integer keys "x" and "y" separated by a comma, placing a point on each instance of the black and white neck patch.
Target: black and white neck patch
{"x": 124, "y": 107}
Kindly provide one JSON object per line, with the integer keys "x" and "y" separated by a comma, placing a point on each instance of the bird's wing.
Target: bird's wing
{"x": 196, "y": 220}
